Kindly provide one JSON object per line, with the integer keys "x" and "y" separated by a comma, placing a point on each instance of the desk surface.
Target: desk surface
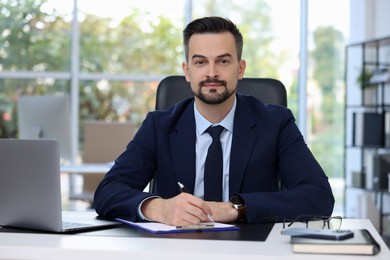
{"x": 96, "y": 246}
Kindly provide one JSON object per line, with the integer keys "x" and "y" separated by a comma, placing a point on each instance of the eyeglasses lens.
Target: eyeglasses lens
{"x": 315, "y": 224}
{"x": 335, "y": 223}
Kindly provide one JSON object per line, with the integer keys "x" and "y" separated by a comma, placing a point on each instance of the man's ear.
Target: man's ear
{"x": 184, "y": 66}
{"x": 241, "y": 69}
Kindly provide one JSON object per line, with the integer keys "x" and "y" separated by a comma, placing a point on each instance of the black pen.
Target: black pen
{"x": 184, "y": 189}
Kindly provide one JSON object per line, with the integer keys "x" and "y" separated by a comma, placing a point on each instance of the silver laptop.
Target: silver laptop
{"x": 30, "y": 188}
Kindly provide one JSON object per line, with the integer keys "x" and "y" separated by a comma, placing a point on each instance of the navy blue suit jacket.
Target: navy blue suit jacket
{"x": 267, "y": 150}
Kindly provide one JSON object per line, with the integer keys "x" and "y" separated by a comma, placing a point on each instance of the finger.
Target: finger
{"x": 198, "y": 208}
{"x": 181, "y": 211}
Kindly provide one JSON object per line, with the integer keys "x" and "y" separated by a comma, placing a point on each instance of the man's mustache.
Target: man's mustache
{"x": 213, "y": 81}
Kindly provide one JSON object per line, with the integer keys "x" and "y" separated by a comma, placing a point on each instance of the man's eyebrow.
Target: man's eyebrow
{"x": 198, "y": 56}
{"x": 224, "y": 55}
{"x": 219, "y": 56}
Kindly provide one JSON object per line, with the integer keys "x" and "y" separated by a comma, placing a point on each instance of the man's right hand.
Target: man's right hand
{"x": 183, "y": 210}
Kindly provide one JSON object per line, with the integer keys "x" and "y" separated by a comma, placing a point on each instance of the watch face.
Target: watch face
{"x": 240, "y": 207}
{"x": 236, "y": 200}
{"x": 237, "y": 206}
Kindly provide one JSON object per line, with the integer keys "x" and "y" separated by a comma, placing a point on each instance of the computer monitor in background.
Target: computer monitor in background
{"x": 46, "y": 117}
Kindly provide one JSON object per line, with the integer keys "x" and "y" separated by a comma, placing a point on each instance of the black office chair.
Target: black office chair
{"x": 173, "y": 89}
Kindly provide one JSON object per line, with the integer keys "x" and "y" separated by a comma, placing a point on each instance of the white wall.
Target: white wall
{"x": 369, "y": 19}
{"x": 382, "y": 18}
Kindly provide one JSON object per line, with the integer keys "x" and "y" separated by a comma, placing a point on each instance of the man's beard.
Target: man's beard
{"x": 213, "y": 98}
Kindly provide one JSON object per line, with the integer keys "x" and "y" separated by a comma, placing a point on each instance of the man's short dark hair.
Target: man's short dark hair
{"x": 212, "y": 24}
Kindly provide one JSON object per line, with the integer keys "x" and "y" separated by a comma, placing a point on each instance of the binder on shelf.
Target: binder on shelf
{"x": 381, "y": 170}
{"x": 359, "y": 179}
{"x": 368, "y": 129}
{"x": 387, "y": 129}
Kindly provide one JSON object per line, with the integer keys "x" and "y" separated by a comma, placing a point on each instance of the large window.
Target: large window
{"x": 325, "y": 88}
{"x": 115, "y": 53}
{"x": 271, "y": 36}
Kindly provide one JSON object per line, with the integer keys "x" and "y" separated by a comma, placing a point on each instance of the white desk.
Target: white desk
{"x": 44, "y": 246}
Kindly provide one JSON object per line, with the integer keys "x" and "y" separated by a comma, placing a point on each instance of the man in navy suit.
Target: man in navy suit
{"x": 261, "y": 145}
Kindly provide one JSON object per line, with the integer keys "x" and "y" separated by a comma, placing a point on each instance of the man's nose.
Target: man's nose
{"x": 212, "y": 73}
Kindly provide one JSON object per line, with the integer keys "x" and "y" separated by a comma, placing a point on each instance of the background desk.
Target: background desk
{"x": 87, "y": 167}
{"x": 84, "y": 168}
{"x": 96, "y": 246}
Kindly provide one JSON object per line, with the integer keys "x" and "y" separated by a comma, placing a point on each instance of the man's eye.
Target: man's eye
{"x": 224, "y": 61}
{"x": 199, "y": 62}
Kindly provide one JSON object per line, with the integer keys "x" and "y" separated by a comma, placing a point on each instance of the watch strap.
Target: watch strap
{"x": 239, "y": 204}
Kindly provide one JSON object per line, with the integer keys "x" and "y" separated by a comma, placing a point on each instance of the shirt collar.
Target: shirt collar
{"x": 202, "y": 123}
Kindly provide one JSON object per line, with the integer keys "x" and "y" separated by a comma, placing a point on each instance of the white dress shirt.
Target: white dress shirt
{"x": 203, "y": 141}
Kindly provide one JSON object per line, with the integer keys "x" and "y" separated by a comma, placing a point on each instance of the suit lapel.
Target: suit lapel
{"x": 182, "y": 141}
{"x": 244, "y": 138}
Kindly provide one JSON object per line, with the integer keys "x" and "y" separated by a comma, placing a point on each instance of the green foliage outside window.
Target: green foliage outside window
{"x": 35, "y": 38}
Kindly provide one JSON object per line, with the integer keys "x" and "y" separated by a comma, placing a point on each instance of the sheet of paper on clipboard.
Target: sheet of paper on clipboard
{"x": 159, "y": 228}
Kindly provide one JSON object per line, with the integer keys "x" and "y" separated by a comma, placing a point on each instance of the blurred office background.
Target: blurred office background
{"x": 108, "y": 58}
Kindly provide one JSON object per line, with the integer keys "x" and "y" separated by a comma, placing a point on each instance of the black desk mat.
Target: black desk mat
{"x": 247, "y": 232}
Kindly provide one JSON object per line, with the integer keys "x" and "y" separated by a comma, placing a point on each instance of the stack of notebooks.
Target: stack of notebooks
{"x": 361, "y": 243}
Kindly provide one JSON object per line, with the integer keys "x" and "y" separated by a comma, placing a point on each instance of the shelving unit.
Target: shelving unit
{"x": 367, "y": 128}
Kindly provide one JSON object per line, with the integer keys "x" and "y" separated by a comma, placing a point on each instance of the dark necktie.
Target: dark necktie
{"x": 214, "y": 166}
